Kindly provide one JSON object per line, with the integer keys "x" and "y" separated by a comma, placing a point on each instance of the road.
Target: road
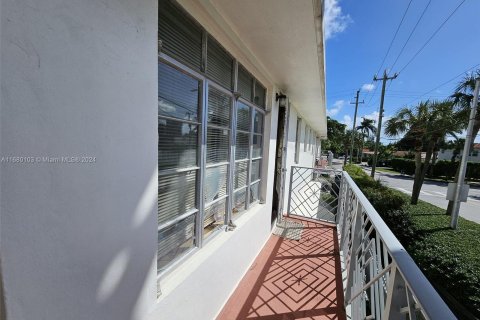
{"x": 433, "y": 192}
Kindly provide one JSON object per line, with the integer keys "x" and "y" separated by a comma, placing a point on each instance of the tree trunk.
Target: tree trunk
{"x": 423, "y": 172}
{"x": 416, "y": 179}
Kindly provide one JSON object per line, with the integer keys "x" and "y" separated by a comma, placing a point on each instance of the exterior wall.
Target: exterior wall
{"x": 448, "y": 154}
{"x": 79, "y": 78}
{"x": 306, "y": 159}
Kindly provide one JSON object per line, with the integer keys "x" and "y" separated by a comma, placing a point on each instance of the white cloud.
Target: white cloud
{"x": 334, "y": 20}
{"x": 368, "y": 87}
{"x": 347, "y": 120}
{"x": 373, "y": 116}
{"x": 335, "y": 109}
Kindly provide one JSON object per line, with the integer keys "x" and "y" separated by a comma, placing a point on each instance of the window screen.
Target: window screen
{"x": 178, "y": 109}
{"x": 260, "y": 94}
{"x": 180, "y": 35}
{"x": 174, "y": 240}
{"x": 245, "y": 83}
{"x": 216, "y": 181}
{"x": 219, "y": 64}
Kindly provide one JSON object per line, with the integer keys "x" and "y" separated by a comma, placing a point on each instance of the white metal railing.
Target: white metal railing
{"x": 381, "y": 279}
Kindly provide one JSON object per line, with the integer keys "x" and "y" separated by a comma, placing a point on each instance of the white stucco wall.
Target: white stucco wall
{"x": 305, "y": 159}
{"x": 79, "y": 240}
{"x": 79, "y": 78}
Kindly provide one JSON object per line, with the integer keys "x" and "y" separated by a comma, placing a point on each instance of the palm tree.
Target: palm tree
{"x": 366, "y": 127}
{"x": 426, "y": 125}
{"x": 463, "y": 96}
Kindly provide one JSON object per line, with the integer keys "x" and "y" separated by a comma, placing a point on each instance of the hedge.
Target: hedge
{"x": 449, "y": 258}
{"x": 441, "y": 169}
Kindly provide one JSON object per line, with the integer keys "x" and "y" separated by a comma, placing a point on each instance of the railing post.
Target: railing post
{"x": 356, "y": 241}
{"x": 290, "y": 190}
{"x": 396, "y": 297}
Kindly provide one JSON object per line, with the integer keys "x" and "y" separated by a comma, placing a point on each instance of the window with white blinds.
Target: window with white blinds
{"x": 210, "y": 142}
{"x": 219, "y": 64}
{"x": 178, "y": 128}
{"x": 216, "y": 191}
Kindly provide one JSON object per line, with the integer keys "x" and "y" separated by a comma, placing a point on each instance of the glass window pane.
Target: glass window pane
{"x": 217, "y": 145}
{"x": 256, "y": 166}
{"x": 242, "y": 146}
{"x": 243, "y": 117}
{"x": 177, "y": 144}
{"x": 239, "y": 198}
{"x": 240, "y": 175}
{"x": 178, "y": 94}
{"x": 181, "y": 37}
{"x": 257, "y": 122}
{"x": 214, "y": 216}
{"x": 174, "y": 241}
{"x": 176, "y": 195}
{"x": 257, "y": 146}
{"x": 215, "y": 183}
{"x": 260, "y": 93}
{"x": 245, "y": 83}
{"x": 254, "y": 192}
{"x": 219, "y": 106}
{"x": 219, "y": 64}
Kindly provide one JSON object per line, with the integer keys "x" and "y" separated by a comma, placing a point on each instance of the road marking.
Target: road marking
{"x": 472, "y": 199}
{"x": 404, "y": 190}
{"x": 440, "y": 193}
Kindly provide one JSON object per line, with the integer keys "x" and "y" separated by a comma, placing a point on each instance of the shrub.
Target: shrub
{"x": 442, "y": 168}
{"x": 406, "y": 166}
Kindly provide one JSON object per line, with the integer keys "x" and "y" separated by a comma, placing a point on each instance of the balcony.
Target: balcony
{"x": 332, "y": 257}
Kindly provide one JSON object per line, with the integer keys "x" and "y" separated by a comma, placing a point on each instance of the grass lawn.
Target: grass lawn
{"x": 450, "y": 259}
{"x": 385, "y": 169}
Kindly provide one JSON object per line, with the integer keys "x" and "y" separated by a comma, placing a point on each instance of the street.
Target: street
{"x": 433, "y": 192}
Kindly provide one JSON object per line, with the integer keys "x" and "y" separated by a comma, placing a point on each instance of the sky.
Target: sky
{"x": 358, "y": 34}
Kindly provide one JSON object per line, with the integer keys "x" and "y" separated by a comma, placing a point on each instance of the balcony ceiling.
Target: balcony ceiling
{"x": 286, "y": 38}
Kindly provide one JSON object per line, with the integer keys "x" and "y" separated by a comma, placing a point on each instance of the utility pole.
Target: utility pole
{"x": 354, "y": 123}
{"x": 463, "y": 161}
{"x": 380, "y": 116}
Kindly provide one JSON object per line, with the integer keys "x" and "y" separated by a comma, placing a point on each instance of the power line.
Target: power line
{"x": 394, "y": 37}
{"x": 388, "y": 50}
{"x": 444, "y": 83}
{"x": 433, "y": 35}
{"x": 412, "y": 32}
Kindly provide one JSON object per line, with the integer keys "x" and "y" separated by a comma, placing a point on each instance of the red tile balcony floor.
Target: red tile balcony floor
{"x": 292, "y": 279}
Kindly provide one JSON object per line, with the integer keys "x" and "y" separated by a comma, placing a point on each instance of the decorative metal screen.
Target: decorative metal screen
{"x": 314, "y": 193}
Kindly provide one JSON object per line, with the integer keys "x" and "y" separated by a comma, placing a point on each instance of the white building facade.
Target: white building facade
{"x": 146, "y": 149}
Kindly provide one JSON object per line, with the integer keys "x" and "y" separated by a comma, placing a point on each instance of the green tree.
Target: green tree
{"x": 463, "y": 96}
{"x": 335, "y": 136}
{"x": 366, "y": 127}
{"x": 425, "y": 125}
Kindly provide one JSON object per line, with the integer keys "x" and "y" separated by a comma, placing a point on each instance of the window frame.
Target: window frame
{"x": 198, "y": 213}
{"x": 297, "y": 140}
